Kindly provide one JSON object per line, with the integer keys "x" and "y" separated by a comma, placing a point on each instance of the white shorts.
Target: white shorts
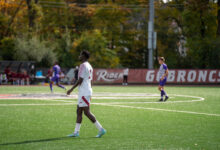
{"x": 84, "y": 101}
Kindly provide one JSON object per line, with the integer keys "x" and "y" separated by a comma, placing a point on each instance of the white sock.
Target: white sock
{"x": 165, "y": 93}
{"x": 77, "y": 128}
{"x": 98, "y": 125}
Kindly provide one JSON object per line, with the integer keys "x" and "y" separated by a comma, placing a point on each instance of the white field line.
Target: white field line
{"x": 125, "y": 94}
{"x": 111, "y": 97}
{"x": 179, "y": 101}
{"x": 168, "y": 102}
{"x": 159, "y": 109}
{"x": 123, "y": 106}
{"x": 56, "y": 104}
{"x": 35, "y": 99}
{"x": 114, "y": 96}
{"x": 109, "y": 103}
{"x": 93, "y": 97}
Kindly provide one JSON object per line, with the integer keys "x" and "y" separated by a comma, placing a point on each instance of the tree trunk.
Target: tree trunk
{"x": 218, "y": 19}
{"x": 202, "y": 9}
{"x": 4, "y": 10}
{"x": 13, "y": 17}
{"x": 31, "y": 13}
{"x": 202, "y": 29}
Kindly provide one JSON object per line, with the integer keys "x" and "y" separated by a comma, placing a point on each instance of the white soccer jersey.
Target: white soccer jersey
{"x": 85, "y": 72}
{"x": 126, "y": 72}
{"x": 162, "y": 70}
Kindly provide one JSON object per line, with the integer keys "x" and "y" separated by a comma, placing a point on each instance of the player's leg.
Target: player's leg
{"x": 161, "y": 88}
{"x": 58, "y": 83}
{"x": 161, "y": 93}
{"x": 79, "y": 113}
{"x": 89, "y": 114}
{"x": 51, "y": 85}
{"x": 61, "y": 86}
{"x": 126, "y": 80}
{"x": 165, "y": 94}
{"x": 92, "y": 118}
{"x": 123, "y": 80}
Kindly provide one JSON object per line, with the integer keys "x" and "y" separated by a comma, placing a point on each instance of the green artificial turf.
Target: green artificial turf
{"x": 130, "y": 126}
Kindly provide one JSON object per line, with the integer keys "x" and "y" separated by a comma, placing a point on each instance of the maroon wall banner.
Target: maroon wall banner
{"x": 185, "y": 76}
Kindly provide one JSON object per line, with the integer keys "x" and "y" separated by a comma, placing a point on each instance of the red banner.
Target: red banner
{"x": 187, "y": 76}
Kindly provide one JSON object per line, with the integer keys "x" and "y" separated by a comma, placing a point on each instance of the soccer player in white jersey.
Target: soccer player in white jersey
{"x": 84, "y": 96}
{"x": 163, "y": 73}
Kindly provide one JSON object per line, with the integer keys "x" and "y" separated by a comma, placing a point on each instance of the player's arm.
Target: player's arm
{"x": 165, "y": 74}
{"x": 52, "y": 72}
{"x": 79, "y": 82}
{"x": 82, "y": 72}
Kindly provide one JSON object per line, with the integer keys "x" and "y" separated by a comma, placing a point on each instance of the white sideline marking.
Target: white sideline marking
{"x": 93, "y": 97}
{"x": 123, "y": 97}
{"x": 37, "y": 104}
{"x": 159, "y": 109}
{"x": 122, "y": 106}
{"x": 35, "y": 99}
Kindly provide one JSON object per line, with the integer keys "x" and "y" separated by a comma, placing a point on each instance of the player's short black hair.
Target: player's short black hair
{"x": 86, "y": 54}
{"x": 161, "y": 58}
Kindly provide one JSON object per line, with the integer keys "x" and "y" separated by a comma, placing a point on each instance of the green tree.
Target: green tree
{"x": 7, "y": 48}
{"x": 63, "y": 50}
{"x": 96, "y": 44}
{"x": 199, "y": 21}
{"x": 168, "y": 26}
{"x": 3, "y": 25}
{"x": 218, "y": 18}
{"x": 35, "y": 50}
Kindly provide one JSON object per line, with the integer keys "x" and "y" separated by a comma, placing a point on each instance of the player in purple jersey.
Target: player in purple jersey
{"x": 56, "y": 77}
{"x": 163, "y": 73}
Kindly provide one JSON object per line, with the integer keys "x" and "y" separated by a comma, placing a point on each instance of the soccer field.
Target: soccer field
{"x": 31, "y": 118}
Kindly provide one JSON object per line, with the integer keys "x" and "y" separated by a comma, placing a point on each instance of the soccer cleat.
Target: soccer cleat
{"x": 101, "y": 133}
{"x": 74, "y": 134}
{"x": 161, "y": 100}
{"x": 166, "y": 98}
